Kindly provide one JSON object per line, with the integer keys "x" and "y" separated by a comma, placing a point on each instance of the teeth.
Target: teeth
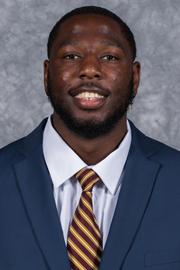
{"x": 89, "y": 95}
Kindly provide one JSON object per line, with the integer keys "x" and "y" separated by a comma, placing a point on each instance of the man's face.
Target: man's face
{"x": 90, "y": 77}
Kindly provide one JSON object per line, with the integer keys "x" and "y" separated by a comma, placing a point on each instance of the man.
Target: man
{"x": 86, "y": 189}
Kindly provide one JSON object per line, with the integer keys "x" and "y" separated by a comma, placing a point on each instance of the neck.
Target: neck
{"x": 92, "y": 151}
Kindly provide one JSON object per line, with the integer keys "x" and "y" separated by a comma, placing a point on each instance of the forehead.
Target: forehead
{"x": 88, "y": 26}
{"x": 85, "y": 21}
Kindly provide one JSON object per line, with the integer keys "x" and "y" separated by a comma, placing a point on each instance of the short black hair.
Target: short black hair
{"x": 93, "y": 10}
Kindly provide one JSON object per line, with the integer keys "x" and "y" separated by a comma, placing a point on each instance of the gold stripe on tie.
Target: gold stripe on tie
{"x": 84, "y": 243}
{"x": 82, "y": 254}
{"x": 88, "y": 234}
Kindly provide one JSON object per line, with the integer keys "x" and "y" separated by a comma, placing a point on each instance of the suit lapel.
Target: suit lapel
{"x": 138, "y": 180}
{"x": 37, "y": 194}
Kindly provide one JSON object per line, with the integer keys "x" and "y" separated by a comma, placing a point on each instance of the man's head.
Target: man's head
{"x": 91, "y": 77}
{"x": 125, "y": 30}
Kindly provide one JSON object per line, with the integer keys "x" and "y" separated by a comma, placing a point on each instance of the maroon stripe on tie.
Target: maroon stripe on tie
{"x": 88, "y": 181}
{"x": 78, "y": 258}
{"x": 88, "y": 240}
{"x": 99, "y": 252}
{"x": 83, "y": 173}
{"x": 86, "y": 224}
{"x": 87, "y": 198}
{"x": 81, "y": 247}
{"x": 89, "y": 214}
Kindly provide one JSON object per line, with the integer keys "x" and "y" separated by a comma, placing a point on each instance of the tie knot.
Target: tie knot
{"x": 87, "y": 179}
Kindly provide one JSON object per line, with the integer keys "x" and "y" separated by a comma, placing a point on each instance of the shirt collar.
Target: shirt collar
{"x": 63, "y": 162}
{"x": 110, "y": 169}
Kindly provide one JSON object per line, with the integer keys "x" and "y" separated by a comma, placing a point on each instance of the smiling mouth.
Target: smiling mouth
{"x": 89, "y": 95}
{"x": 88, "y": 100}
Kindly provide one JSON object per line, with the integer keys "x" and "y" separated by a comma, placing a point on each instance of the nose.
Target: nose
{"x": 90, "y": 68}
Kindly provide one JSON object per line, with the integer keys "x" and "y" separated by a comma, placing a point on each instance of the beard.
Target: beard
{"x": 90, "y": 129}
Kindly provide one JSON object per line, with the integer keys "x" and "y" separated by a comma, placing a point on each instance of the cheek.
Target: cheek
{"x": 115, "y": 73}
{"x": 120, "y": 79}
{"x": 60, "y": 77}
{"x": 65, "y": 76}
{"x": 115, "y": 80}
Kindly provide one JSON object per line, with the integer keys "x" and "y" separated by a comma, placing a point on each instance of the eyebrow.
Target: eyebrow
{"x": 113, "y": 43}
{"x": 66, "y": 43}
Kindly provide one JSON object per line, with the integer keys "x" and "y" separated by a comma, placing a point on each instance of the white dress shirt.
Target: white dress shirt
{"x": 62, "y": 163}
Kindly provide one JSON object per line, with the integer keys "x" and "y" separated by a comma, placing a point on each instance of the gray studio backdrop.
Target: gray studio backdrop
{"x": 24, "y": 28}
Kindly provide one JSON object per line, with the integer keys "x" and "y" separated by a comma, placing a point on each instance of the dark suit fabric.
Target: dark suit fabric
{"x": 145, "y": 231}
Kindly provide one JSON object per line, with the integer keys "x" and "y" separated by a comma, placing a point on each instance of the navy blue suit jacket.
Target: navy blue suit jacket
{"x": 145, "y": 231}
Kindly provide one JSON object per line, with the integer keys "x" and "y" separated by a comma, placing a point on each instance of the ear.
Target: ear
{"x": 46, "y": 72}
{"x": 136, "y": 76}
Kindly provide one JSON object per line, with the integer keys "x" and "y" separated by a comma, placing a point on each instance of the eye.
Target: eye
{"x": 109, "y": 57}
{"x": 72, "y": 56}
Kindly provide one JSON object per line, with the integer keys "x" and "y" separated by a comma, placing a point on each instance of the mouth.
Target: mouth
{"x": 89, "y": 99}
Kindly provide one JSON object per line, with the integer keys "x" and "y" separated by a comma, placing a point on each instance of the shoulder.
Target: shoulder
{"x": 18, "y": 149}
{"x": 9, "y": 152}
{"x": 154, "y": 149}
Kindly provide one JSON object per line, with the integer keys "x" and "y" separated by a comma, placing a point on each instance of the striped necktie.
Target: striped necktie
{"x": 84, "y": 243}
